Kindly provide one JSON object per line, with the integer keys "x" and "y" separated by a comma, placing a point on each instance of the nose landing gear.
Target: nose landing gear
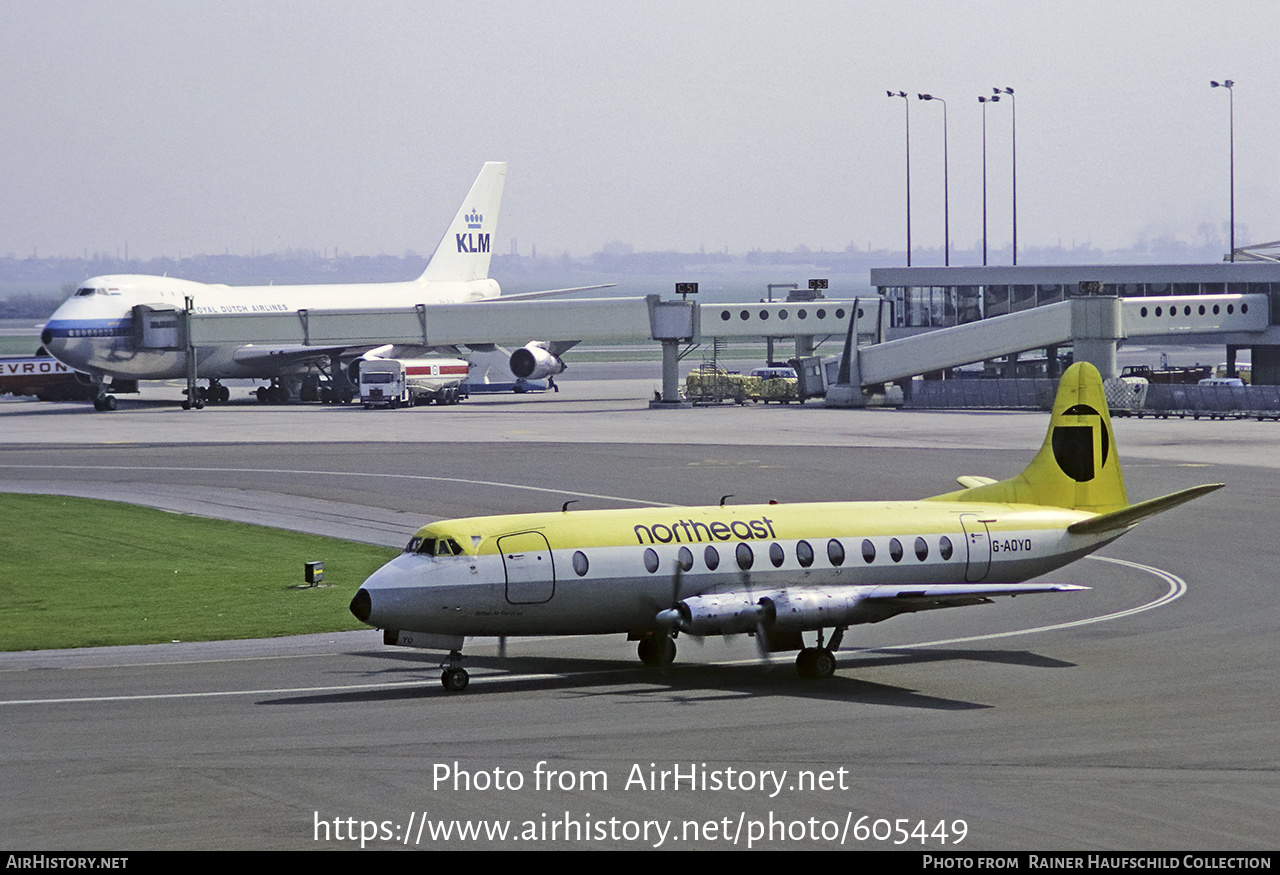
{"x": 453, "y": 675}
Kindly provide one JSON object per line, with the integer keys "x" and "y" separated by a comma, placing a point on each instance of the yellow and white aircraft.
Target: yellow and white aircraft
{"x": 127, "y": 328}
{"x": 774, "y": 571}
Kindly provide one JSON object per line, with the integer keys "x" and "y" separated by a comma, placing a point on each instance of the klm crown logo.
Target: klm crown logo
{"x": 473, "y": 243}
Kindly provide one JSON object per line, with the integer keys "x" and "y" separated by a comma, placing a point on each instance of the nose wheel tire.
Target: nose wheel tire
{"x": 455, "y": 680}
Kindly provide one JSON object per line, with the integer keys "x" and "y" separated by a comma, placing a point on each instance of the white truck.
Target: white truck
{"x": 405, "y": 382}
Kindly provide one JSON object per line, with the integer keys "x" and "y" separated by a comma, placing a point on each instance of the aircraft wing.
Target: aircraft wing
{"x": 910, "y": 598}
{"x": 251, "y": 354}
{"x": 287, "y": 357}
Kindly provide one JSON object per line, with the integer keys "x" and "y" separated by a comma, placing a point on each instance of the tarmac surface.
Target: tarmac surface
{"x": 1140, "y": 715}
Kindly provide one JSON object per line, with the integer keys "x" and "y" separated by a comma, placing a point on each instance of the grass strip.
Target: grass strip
{"x": 79, "y": 572}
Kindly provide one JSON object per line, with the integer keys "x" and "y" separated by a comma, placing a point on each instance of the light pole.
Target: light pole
{"x": 984, "y": 101}
{"x": 1014, "y": 111}
{"x": 946, "y": 185}
{"x": 906, "y": 102}
{"x": 1231, "y": 100}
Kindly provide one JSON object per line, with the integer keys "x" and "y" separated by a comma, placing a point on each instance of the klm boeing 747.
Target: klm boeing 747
{"x": 126, "y": 328}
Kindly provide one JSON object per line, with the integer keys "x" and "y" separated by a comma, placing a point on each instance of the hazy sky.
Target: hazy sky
{"x": 192, "y": 127}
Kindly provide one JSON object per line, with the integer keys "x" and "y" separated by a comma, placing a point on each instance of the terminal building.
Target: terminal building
{"x": 925, "y": 299}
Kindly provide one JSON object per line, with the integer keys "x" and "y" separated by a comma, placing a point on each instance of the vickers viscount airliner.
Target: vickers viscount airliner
{"x": 774, "y": 571}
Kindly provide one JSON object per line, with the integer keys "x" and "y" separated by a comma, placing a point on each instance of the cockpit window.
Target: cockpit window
{"x": 85, "y": 292}
{"x": 433, "y": 546}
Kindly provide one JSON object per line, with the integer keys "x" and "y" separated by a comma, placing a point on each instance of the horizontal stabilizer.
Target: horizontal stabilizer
{"x": 1123, "y": 519}
{"x": 530, "y": 296}
{"x": 969, "y": 481}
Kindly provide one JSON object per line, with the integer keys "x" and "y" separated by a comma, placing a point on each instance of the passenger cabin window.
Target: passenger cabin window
{"x": 745, "y": 557}
{"x": 776, "y": 555}
{"x": 835, "y": 552}
{"x": 922, "y": 549}
{"x": 712, "y": 558}
{"x": 684, "y": 559}
{"x": 895, "y": 549}
{"x": 580, "y": 563}
{"x": 650, "y": 560}
{"x": 944, "y": 547}
{"x": 868, "y": 551}
{"x": 804, "y": 554}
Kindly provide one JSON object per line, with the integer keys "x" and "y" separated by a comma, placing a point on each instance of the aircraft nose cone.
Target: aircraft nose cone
{"x": 362, "y": 605}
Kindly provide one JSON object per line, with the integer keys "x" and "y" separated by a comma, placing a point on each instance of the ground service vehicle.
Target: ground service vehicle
{"x": 405, "y": 382}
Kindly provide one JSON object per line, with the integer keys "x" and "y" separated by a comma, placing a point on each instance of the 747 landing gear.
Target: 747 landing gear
{"x": 453, "y": 675}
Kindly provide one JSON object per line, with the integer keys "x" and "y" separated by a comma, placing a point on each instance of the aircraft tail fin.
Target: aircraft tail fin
{"x": 464, "y": 252}
{"x": 1077, "y": 466}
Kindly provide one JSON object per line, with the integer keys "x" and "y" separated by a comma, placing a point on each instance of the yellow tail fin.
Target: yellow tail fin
{"x": 1077, "y": 466}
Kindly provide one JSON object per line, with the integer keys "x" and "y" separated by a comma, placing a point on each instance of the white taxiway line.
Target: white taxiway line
{"x": 423, "y": 477}
{"x": 1177, "y": 589}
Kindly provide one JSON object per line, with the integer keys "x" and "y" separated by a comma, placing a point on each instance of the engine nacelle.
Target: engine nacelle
{"x": 718, "y": 614}
{"x": 816, "y": 608}
{"x": 797, "y": 610}
{"x": 533, "y": 362}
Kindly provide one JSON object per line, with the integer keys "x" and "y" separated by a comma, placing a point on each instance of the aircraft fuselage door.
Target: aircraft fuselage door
{"x": 977, "y": 539}
{"x": 531, "y": 573}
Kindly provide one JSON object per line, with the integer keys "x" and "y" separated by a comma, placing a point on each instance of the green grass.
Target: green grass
{"x": 19, "y": 345}
{"x": 85, "y": 573}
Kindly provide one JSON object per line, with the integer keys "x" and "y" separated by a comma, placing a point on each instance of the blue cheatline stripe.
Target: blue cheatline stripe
{"x": 79, "y": 327}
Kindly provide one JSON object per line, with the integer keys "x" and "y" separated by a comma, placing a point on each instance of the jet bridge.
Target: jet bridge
{"x": 496, "y": 321}
{"x": 1092, "y": 324}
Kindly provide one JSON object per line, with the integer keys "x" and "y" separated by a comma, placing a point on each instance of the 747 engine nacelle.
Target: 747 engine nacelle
{"x": 533, "y": 362}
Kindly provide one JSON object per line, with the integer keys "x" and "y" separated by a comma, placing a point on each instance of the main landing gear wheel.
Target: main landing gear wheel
{"x": 816, "y": 662}
{"x": 657, "y": 652}
{"x": 455, "y": 680}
